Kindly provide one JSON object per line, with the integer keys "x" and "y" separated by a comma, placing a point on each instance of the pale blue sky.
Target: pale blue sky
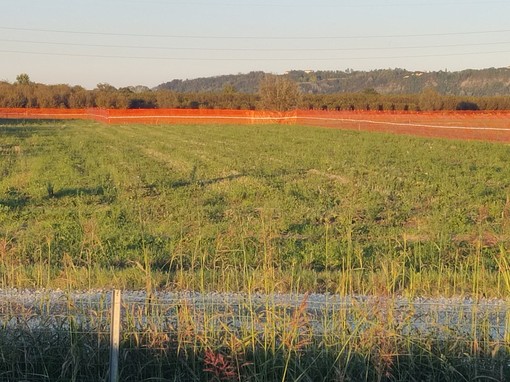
{"x": 131, "y": 42}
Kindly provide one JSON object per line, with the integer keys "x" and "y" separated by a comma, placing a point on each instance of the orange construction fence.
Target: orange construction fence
{"x": 22, "y": 113}
{"x": 493, "y": 126}
{"x": 153, "y": 116}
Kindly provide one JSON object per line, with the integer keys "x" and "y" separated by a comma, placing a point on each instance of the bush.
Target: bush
{"x": 465, "y": 105}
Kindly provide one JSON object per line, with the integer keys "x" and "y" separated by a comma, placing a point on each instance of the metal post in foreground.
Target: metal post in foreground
{"x": 115, "y": 336}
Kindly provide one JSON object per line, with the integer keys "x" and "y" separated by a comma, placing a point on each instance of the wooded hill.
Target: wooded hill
{"x": 477, "y": 83}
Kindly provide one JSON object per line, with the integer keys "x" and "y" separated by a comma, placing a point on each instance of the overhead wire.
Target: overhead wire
{"x": 251, "y": 38}
{"x": 249, "y": 59}
{"x": 316, "y": 4}
{"x": 220, "y": 37}
{"x": 146, "y": 47}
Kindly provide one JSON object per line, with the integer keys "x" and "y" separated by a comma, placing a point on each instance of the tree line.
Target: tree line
{"x": 275, "y": 92}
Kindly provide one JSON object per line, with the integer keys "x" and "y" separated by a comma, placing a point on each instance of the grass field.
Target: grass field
{"x": 251, "y": 208}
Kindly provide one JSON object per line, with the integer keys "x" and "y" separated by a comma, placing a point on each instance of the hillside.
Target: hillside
{"x": 483, "y": 82}
{"x": 243, "y": 83}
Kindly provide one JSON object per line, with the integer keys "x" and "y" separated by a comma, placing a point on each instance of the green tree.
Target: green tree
{"x": 23, "y": 79}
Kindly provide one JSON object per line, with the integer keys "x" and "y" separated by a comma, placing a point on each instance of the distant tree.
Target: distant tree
{"x": 105, "y": 87}
{"x": 228, "y": 89}
{"x": 370, "y": 91}
{"x": 430, "y": 99}
{"x": 16, "y": 98}
{"x": 466, "y": 105}
{"x": 278, "y": 93}
{"x": 23, "y": 79}
{"x": 109, "y": 97}
{"x": 55, "y": 96}
{"x": 44, "y": 96}
{"x": 142, "y": 101}
{"x": 167, "y": 99}
{"x": 80, "y": 98}
{"x": 227, "y": 98}
{"x": 22, "y": 94}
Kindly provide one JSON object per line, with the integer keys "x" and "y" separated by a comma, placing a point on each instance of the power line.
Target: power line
{"x": 316, "y": 5}
{"x": 249, "y": 59}
{"x": 209, "y": 37}
{"x": 251, "y": 49}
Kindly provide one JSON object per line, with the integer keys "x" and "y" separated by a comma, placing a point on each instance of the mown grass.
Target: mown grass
{"x": 251, "y": 208}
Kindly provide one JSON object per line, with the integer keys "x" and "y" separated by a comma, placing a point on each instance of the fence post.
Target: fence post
{"x": 115, "y": 336}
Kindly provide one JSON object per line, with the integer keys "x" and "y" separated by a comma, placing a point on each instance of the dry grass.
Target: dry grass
{"x": 254, "y": 337}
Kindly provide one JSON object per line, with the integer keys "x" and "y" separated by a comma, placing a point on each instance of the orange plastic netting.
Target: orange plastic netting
{"x": 493, "y": 126}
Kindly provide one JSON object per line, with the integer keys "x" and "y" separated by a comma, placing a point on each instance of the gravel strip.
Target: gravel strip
{"x": 463, "y": 316}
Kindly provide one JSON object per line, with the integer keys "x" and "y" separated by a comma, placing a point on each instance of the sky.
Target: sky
{"x": 148, "y": 42}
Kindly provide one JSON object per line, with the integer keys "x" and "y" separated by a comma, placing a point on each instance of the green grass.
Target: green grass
{"x": 251, "y": 208}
